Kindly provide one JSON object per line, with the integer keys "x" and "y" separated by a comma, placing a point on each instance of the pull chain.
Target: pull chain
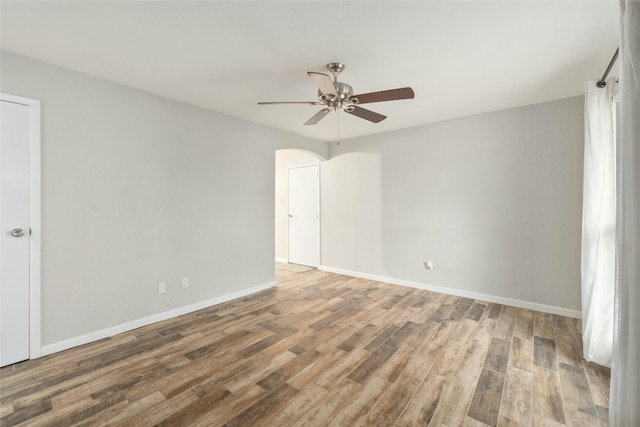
{"x": 338, "y": 114}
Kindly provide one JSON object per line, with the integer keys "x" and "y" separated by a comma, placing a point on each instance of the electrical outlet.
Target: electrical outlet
{"x": 185, "y": 282}
{"x": 162, "y": 287}
{"x": 428, "y": 265}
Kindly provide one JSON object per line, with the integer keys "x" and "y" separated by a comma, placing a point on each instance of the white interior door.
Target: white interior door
{"x": 14, "y": 226}
{"x": 304, "y": 215}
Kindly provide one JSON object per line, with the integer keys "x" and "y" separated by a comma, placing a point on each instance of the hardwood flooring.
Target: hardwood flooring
{"x": 321, "y": 350}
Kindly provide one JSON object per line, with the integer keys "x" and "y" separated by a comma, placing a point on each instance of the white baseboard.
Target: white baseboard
{"x": 125, "y": 327}
{"x": 283, "y": 260}
{"x": 459, "y": 292}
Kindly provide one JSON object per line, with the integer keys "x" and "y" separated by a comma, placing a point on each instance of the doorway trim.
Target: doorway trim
{"x": 35, "y": 222}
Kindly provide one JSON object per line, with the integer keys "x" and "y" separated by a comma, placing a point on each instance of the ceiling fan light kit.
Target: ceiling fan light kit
{"x": 334, "y": 94}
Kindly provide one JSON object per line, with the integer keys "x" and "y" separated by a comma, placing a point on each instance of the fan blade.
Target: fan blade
{"x": 385, "y": 95}
{"x": 324, "y": 83}
{"x": 318, "y": 116}
{"x": 366, "y": 114}
{"x": 293, "y": 102}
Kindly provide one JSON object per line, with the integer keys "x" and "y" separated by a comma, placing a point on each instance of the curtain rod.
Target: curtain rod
{"x": 601, "y": 82}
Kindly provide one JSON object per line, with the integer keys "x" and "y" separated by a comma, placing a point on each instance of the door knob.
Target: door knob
{"x": 17, "y": 232}
{"x": 290, "y": 216}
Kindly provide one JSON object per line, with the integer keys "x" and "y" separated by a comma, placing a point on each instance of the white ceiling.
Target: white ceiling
{"x": 460, "y": 58}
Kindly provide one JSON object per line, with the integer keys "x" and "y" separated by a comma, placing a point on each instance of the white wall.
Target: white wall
{"x": 284, "y": 160}
{"x": 139, "y": 189}
{"x": 494, "y": 200}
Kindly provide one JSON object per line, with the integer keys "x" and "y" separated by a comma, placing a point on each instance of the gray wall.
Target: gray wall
{"x": 139, "y": 189}
{"x": 494, "y": 200}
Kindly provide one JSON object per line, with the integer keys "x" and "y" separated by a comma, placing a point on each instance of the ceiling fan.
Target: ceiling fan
{"x": 334, "y": 94}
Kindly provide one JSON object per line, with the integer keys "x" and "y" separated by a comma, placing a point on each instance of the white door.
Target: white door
{"x": 304, "y": 215}
{"x": 14, "y": 226}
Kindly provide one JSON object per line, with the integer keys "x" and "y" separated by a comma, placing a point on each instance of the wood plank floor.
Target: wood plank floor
{"x": 321, "y": 349}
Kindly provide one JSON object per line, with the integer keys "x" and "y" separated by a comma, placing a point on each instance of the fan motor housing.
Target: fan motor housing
{"x": 344, "y": 90}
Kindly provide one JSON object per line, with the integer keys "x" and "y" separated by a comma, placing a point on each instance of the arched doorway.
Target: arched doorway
{"x": 293, "y": 242}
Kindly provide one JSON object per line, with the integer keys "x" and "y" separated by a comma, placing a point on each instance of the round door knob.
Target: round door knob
{"x": 17, "y": 232}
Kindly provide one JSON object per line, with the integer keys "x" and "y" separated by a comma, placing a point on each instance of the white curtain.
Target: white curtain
{"x": 598, "y": 223}
{"x": 624, "y": 404}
